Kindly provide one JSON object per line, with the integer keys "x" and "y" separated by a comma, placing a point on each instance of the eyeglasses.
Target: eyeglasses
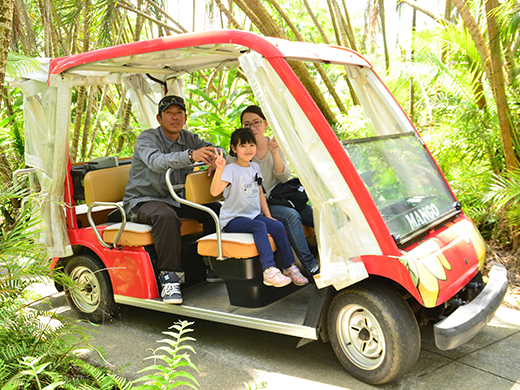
{"x": 252, "y": 124}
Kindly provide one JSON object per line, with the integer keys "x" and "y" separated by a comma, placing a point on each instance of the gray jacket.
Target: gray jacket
{"x": 154, "y": 153}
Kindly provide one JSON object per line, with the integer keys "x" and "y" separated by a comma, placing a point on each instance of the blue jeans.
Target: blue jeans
{"x": 292, "y": 220}
{"x": 259, "y": 227}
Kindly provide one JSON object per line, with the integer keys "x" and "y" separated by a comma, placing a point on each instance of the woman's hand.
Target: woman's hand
{"x": 273, "y": 145}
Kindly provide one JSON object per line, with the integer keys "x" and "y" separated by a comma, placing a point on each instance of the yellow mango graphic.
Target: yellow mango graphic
{"x": 428, "y": 286}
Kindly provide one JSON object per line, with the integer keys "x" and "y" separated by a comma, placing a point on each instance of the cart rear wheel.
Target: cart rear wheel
{"x": 90, "y": 296}
{"x": 374, "y": 333}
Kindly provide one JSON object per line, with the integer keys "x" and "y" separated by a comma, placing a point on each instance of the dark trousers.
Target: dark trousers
{"x": 260, "y": 227}
{"x": 166, "y": 228}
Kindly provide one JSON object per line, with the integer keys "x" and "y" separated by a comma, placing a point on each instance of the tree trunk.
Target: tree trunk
{"x": 139, "y": 13}
{"x": 499, "y": 90}
{"x": 298, "y": 67}
{"x": 46, "y": 27}
{"x": 6, "y": 23}
{"x": 138, "y": 21}
{"x": 341, "y": 24}
{"x": 479, "y": 40}
{"x": 114, "y": 128}
{"x": 124, "y": 127}
{"x": 251, "y": 15}
{"x": 77, "y": 124}
{"x": 447, "y": 16}
{"x": 348, "y": 27}
{"x": 265, "y": 19}
{"x": 383, "y": 29}
{"x": 316, "y": 23}
{"x": 439, "y": 19}
{"x": 86, "y": 124}
{"x": 228, "y": 14}
{"x": 335, "y": 24}
{"x": 164, "y": 13}
{"x": 366, "y": 25}
{"x": 97, "y": 122}
{"x": 319, "y": 68}
{"x": 17, "y": 32}
{"x": 31, "y": 37}
{"x": 412, "y": 58}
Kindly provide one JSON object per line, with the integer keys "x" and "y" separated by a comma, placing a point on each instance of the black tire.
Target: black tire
{"x": 374, "y": 333}
{"x": 91, "y": 296}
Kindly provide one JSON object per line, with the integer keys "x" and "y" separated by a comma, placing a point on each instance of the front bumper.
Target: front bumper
{"x": 468, "y": 320}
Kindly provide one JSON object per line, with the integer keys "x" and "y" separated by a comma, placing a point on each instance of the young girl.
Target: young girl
{"x": 244, "y": 204}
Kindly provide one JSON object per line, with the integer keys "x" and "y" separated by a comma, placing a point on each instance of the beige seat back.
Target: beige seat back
{"x": 197, "y": 188}
{"x": 106, "y": 185}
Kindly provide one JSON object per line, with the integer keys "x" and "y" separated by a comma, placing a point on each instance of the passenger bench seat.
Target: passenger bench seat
{"x": 108, "y": 185}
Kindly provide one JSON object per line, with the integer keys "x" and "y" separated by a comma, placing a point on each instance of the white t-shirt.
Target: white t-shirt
{"x": 242, "y": 197}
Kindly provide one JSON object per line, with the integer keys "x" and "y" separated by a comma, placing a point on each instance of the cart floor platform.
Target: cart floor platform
{"x": 209, "y": 301}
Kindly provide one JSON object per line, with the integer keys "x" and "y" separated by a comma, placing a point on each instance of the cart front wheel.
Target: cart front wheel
{"x": 90, "y": 295}
{"x": 374, "y": 333}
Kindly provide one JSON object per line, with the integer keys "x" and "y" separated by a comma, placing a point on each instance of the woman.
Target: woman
{"x": 274, "y": 169}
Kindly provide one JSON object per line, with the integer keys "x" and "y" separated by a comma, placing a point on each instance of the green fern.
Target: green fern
{"x": 168, "y": 377}
{"x": 505, "y": 193}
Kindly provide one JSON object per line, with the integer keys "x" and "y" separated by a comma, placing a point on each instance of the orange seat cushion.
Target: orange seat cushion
{"x": 139, "y": 234}
{"x": 234, "y": 245}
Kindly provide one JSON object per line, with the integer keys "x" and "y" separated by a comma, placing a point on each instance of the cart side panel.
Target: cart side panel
{"x": 130, "y": 269}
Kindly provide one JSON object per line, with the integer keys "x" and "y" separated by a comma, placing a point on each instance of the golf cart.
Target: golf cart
{"x": 394, "y": 246}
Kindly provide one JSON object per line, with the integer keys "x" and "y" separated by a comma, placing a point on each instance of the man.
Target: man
{"x": 147, "y": 199}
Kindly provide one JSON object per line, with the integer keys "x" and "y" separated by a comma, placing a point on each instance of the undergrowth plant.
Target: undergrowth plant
{"x": 176, "y": 359}
{"x": 37, "y": 347}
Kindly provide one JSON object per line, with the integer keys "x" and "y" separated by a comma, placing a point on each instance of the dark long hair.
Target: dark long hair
{"x": 255, "y": 110}
{"x": 239, "y": 137}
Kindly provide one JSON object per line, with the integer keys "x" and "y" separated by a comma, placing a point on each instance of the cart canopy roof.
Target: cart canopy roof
{"x": 173, "y": 56}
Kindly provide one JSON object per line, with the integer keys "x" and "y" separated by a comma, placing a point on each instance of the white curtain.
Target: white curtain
{"x": 47, "y": 124}
{"x": 341, "y": 228}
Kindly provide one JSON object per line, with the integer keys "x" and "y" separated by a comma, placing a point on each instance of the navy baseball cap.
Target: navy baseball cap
{"x": 167, "y": 101}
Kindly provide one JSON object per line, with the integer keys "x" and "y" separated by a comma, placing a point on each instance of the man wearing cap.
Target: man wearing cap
{"x": 147, "y": 199}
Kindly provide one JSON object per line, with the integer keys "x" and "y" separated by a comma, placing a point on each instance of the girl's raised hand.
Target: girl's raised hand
{"x": 220, "y": 162}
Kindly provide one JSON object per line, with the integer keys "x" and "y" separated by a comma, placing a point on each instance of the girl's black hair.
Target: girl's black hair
{"x": 239, "y": 137}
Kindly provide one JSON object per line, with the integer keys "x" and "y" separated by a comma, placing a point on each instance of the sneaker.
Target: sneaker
{"x": 171, "y": 288}
{"x": 273, "y": 277}
{"x": 314, "y": 270}
{"x": 296, "y": 276}
{"x": 212, "y": 277}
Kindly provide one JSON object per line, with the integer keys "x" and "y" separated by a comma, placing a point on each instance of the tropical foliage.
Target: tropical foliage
{"x": 442, "y": 76}
{"x": 458, "y": 79}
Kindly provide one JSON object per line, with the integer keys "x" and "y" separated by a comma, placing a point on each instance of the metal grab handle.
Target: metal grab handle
{"x": 26, "y": 171}
{"x": 121, "y": 228}
{"x": 172, "y": 189}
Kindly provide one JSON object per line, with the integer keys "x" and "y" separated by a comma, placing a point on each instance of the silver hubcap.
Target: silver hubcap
{"x": 86, "y": 290}
{"x": 361, "y": 337}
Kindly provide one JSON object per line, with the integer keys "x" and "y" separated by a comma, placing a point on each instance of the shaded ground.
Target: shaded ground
{"x": 511, "y": 260}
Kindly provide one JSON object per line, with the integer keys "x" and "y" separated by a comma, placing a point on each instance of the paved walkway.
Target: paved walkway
{"x": 229, "y": 356}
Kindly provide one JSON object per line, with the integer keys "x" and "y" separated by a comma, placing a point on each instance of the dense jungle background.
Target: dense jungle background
{"x": 454, "y": 66}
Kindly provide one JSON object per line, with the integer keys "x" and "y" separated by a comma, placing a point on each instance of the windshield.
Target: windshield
{"x": 399, "y": 173}
{"x": 403, "y": 181}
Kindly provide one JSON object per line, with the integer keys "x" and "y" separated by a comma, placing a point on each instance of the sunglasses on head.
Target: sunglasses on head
{"x": 169, "y": 100}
